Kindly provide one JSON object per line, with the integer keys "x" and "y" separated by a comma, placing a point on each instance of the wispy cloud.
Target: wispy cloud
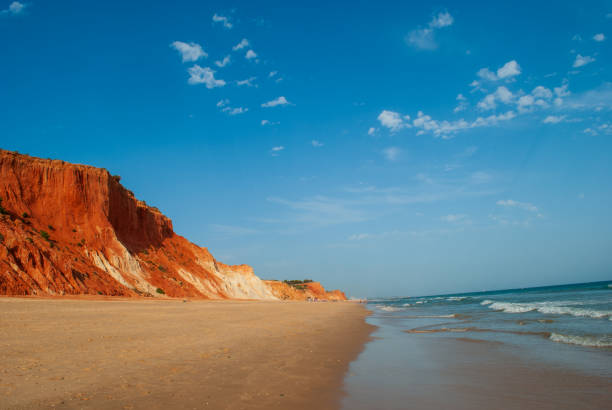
{"x": 516, "y": 204}
{"x": 222, "y": 63}
{"x": 248, "y": 82}
{"x": 454, "y": 218}
{"x": 553, "y": 119}
{"x": 250, "y": 55}
{"x": 225, "y": 107}
{"x": 243, "y": 43}
{"x": 216, "y": 18}
{"x": 189, "y": 51}
{"x": 599, "y": 37}
{"x": 391, "y": 153}
{"x": 14, "y": 8}
{"x": 275, "y": 151}
{"x": 316, "y": 144}
{"x": 424, "y": 37}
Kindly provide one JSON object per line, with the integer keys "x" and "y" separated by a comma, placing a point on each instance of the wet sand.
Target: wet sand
{"x": 400, "y": 370}
{"x": 154, "y": 354}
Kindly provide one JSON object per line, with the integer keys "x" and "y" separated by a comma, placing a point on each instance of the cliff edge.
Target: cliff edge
{"x": 69, "y": 229}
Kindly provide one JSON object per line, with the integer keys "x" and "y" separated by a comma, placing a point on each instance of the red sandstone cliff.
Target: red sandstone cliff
{"x": 69, "y": 229}
{"x": 304, "y": 291}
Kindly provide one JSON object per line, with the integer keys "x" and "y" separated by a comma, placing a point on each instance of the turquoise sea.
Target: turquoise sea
{"x": 576, "y": 314}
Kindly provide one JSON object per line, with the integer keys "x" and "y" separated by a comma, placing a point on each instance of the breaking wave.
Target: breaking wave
{"x": 390, "y": 308}
{"x": 589, "y": 341}
{"x": 548, "y": 308}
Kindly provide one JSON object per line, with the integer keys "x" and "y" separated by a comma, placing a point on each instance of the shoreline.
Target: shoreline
{"x": 464, "y": 370}
{"x": 165, "y": 353}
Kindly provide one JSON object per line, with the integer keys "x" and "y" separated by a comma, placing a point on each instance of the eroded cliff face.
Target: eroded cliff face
{"x": 305, "y": 291}
{"x": 69, "y": 229}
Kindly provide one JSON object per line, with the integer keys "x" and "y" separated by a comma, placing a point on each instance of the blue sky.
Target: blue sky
{"x": 385, "y": 148}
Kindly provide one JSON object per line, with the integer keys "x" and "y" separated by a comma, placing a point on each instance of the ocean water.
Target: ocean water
{"x": 546, "y": 347}
{"x": 578, "y": 315}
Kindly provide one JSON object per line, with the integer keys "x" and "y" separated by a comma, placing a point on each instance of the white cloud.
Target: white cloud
{"x": 487, "y": 103}
{"x": 443, "y": 19}
{"x": 265, "y": 122}
{"x": 243, "y": 43}
{"x": 358, "y": 237}
{"x": 248, "y": 82}
{"x": 393, "y": 120}
{"x": 516, "y": 204}
{"x": 372, "y": 131}
{"x": 486, "y": 74}
{"x": 199, "y": 75}
{"x": 189, "y": 51}
{"x": 223, "y": 20}
{"x": 462, "y": 103}
{"x": 553, "y": 119}
{"x": 453, "y": 217}
{"x": 525, "y": 102}
{"x": 599, "y": 37}
{"x": 446, "y": 129}
{"x": 226, "y": 60}
{"x": 250, "y": 55}
{"x": 275, "y": 151}
{"x": 279, "y": 101}
{"x": 490, "y": 101}
{"x": 272, "y": 74}
{"x": 560, "y": 92}
{"x": 224, "y": 106}
{"x": 582, "y": 60}
{"x": 235, "y": 111}
{"x": 510, "y": 69}
{"x": 14, "y": 8}
{"x": 541, "y": 92}
{"x": 316, "y": 144}
{"x": 391, "y": 153}
{"x": 424, "y": 38}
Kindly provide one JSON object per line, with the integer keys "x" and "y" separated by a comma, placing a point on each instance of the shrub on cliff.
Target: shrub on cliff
{"x": 2, "y": 210}
{"x": 45, "y": 235}
{"x": 160, "y": 291}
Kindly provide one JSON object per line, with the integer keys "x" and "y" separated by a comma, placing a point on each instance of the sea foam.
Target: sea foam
{"x": 390, "y": 308}
{"x": 582, "y": 340}
{"x": 550, "y": 308}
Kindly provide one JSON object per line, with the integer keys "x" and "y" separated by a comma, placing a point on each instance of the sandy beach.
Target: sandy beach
{"x": 137, "y": 354}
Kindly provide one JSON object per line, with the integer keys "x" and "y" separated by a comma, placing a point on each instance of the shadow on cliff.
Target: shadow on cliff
{"x": 137, "y": 225}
